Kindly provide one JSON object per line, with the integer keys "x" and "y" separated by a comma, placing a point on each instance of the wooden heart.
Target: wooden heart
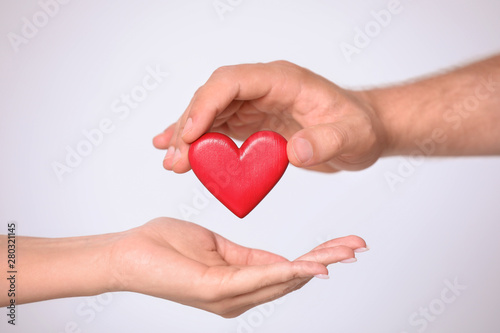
{"x": 239, "y": 177}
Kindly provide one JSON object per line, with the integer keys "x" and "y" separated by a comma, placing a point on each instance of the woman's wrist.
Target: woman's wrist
{"x": 65, "y": 267}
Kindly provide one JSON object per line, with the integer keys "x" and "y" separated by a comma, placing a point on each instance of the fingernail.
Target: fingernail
{"x": 362, "y": 249}
{"x": 170, "y": 152}
{"x": 348, "y": 261}
{"x": 177, "y": 156}
{"x": 187, "y": 127}
{"x": 322, "y": 276}
{"x": 302, "y": 149}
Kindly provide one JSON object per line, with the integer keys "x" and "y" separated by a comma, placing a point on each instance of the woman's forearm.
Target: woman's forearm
{"x": 49, "y": 268}
{"x": 454, "y": 114}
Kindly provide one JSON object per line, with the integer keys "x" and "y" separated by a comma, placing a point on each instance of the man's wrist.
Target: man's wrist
{"x": 406, "y": 112}
{"x": 385, "y": 104}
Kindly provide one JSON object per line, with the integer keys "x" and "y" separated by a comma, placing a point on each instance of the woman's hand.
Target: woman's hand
{"x": 175, "y": 260}
{"x": 186, "y": 263}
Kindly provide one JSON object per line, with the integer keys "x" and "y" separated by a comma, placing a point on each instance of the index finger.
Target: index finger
{"x": 226, "y": 84}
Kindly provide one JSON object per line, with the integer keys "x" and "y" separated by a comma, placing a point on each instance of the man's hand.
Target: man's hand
{"x": 188, "y": 264}
{"x": 328, "y": 128}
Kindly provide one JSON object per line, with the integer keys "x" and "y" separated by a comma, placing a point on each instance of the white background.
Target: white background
{"x": 439, "y": 225}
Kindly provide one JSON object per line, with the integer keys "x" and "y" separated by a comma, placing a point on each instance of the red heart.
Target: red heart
{"x": 239, "y": 177}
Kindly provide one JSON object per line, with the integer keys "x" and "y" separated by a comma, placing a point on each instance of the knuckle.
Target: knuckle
{"x": 289, "y": 70}
{"x": 198, "y": 91}
{"x": 223, "y": 71}
{"x": 283, "y": 63}
{"x": 339, "y": 137}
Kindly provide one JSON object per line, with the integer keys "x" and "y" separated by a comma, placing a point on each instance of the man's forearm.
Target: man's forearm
{"x": 454, "y": 114}
{"x": 55, "y": 268}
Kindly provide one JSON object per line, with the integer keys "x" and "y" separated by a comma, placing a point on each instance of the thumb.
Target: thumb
{"x": 317, "y": 144}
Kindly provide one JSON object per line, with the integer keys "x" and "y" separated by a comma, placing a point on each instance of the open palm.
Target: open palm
{"x": 189, "y": 264}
